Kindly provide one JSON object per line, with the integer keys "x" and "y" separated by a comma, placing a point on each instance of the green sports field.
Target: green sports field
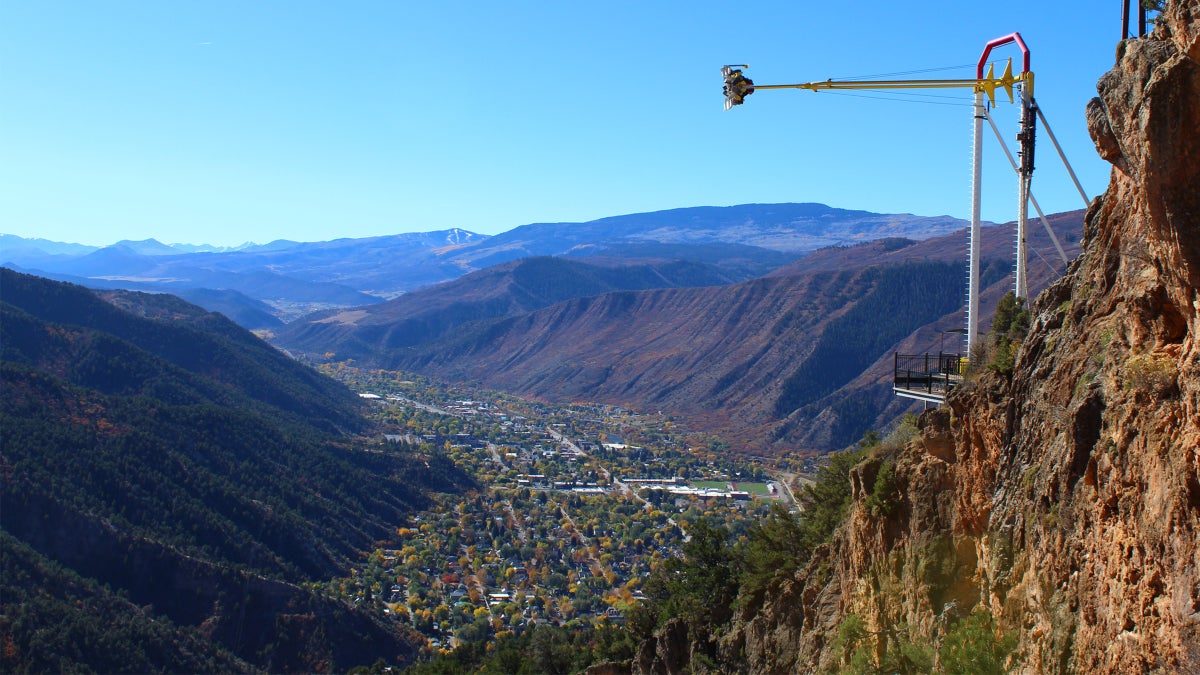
{"x": 759, "y": 489}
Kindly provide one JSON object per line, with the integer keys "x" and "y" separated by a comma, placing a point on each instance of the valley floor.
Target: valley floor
{"x": 573, "y": 510}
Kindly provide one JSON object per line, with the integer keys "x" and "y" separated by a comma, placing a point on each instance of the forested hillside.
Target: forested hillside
{"x": 161, "y": 464}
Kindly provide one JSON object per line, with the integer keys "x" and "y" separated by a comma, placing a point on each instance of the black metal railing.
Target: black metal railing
{"x": 931, "y": 374}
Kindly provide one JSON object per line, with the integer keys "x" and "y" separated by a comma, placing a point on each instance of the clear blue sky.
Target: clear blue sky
{"x": 222, "y": 122}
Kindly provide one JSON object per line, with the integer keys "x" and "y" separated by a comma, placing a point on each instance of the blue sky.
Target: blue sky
{"x": 225, "y": 122}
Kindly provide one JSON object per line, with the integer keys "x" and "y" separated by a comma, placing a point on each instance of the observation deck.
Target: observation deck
{"x": 928, "y": 377}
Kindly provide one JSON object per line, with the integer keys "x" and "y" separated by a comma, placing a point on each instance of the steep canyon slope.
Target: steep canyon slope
{"x": 1063, "y": 498}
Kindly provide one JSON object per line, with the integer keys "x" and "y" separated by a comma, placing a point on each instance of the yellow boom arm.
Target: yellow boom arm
{"x": 738, "y": 86}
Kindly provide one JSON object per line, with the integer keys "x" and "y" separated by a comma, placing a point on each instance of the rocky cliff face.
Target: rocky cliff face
{"x": 1063, "y": 499}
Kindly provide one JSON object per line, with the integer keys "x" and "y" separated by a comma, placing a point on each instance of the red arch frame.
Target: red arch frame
{"x": 1014, "y": 37}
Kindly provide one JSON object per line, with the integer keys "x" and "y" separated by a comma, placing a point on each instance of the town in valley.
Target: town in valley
{"x": 572, "y": 508}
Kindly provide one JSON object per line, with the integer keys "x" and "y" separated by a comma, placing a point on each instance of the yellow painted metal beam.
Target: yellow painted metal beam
{"x": 988, "y": 85}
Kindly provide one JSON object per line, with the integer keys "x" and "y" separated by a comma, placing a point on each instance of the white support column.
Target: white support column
{"x": 973, "y": 258}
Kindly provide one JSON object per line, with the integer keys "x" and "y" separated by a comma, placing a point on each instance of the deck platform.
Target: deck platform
{"x": 927, "y": 377}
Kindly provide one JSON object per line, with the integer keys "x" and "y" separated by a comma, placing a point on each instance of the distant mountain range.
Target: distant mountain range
{"x": 170, "y": 485}
{"x": 799, "y": 358}
{"x": 292, "y": 278}
{"x": 729, "y": 316}
{"x": 38, "y": 246}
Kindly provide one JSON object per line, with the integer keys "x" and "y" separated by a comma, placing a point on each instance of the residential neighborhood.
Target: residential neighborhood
{"x": 572, "y": 510}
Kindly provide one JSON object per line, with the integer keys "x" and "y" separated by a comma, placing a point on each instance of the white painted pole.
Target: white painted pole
{"x": 973, "y": 258}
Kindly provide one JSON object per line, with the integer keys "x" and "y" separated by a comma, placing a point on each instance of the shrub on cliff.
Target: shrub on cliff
{"x": 782, "y": 542}
{"x": 883, "y": 499}
{"x": 1009, "y": 328}
{"x": 826, "y": 501}
{"x": 975, "y": 645}
{"x": 699, "y": 587}
{"x": 892, "y": 650}
{"x": 775, "y": 548}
